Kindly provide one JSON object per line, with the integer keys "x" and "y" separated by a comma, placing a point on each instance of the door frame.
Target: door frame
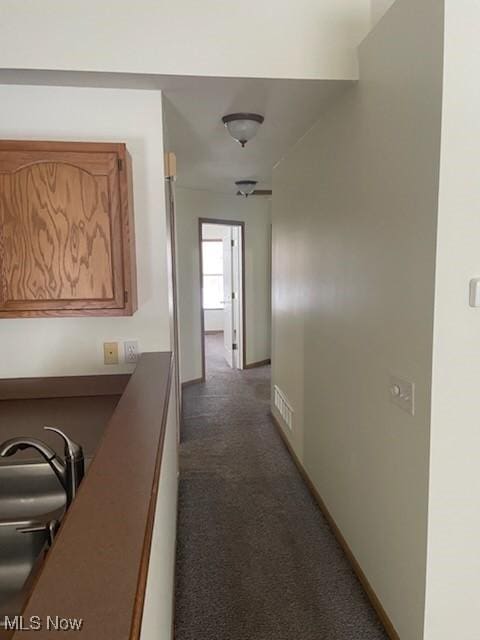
{"x": 225, "y": 223}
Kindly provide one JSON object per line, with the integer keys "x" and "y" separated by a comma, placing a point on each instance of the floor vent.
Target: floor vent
{"x": 283, "y": 406}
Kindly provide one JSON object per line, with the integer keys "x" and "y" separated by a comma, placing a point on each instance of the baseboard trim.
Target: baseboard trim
{"x": 260, "y": 363}
{"x": 372, "y": 596}
{"x": 189, "y": 383}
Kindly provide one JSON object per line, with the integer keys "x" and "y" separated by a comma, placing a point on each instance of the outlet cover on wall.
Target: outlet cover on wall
{"x": 131, "y": 351}
{"x": 110, "y": 352}
{"x": 402, "y": 393}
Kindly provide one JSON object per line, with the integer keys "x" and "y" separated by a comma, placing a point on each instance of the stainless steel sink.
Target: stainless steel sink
{"x": 29, "y": 493}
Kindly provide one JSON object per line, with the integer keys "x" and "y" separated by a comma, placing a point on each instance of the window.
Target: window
{"x": 212, "y": 257}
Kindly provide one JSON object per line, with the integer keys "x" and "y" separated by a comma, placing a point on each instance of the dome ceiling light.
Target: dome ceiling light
{"x": 246, "y": 187}
{"x": 243, "y": 126}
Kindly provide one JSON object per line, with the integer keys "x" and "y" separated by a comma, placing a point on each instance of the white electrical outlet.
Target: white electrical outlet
{"x": 131, "y": 351}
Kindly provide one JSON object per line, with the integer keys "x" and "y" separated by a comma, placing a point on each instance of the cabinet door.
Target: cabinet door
{"x": 66, "y": 238}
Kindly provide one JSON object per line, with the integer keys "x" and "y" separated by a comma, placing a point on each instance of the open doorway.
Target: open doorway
{"x": 222, "y": 277}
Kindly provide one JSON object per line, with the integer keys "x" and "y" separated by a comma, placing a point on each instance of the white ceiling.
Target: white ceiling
{"x": 208, "y": 158}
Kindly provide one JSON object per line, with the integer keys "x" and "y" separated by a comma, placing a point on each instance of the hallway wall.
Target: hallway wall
{"x": 379, "y": 8}
{"x": 354, "y": 233}
{"x": 255, "y": 212}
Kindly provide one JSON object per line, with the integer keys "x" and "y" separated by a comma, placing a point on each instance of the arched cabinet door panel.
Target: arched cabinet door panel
{"x": 66, "y": 239}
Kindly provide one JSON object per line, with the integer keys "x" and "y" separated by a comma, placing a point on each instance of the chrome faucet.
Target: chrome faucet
{"x": 69, "y": 471}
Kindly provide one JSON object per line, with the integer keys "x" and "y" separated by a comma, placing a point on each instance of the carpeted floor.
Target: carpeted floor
{"x": 256, "y": 559}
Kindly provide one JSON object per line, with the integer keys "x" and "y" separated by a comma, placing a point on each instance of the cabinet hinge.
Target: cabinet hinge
{"x": 233, "y": 295}
{"x": 234, "y": 346}
{"x": 125, "y": 296}
{"x": 232, "y": 242}
{"x": 120, "y": 164}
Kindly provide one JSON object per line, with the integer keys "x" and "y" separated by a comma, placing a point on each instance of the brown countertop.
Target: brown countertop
{"x": 97, "y": 568}
{"x": 63, "y": 387}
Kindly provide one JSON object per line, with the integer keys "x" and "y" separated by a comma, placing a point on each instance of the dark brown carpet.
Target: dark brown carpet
{"x": 256, "y": 560}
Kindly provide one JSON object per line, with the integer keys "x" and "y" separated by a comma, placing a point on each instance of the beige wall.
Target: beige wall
{"x": 379, "y": 8}
{"x": 255, "y": 212}
{"x": 453, "y": 579}
{"x": 301, "y": 39}
{"x": 73, "y": 346}
{"x": 354, "y": 232}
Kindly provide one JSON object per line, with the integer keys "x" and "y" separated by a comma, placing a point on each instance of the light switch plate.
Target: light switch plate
{"x": 402, "y": 394}
{"x": 475, "y": 292}
{"x": 110, "y": 352}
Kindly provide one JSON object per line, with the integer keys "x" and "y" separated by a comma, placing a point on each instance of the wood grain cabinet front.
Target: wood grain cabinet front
{"x": 67, "y": 245}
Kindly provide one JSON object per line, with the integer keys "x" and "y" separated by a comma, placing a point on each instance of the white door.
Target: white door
{"x": 227, "y": 296}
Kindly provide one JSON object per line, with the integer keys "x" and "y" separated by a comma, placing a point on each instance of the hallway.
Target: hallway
{"x": 255, "y": 558}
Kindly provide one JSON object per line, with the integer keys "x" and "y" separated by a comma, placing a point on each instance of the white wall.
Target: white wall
{"x": 157, "y": 620}
{"x": 73, "y": 346}
{"x": 354, "y": 232}
{"x": 453, "y": 581}
{"x": 255, "y": 212}
{"x": 379, "y": 8}
{"x": 214, "y": 319}
{"x": 302, "y": 39}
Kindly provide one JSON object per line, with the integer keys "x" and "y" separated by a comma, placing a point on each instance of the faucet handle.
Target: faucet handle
{"x": 51, "y": 527}
{"x": 72, "y": 450}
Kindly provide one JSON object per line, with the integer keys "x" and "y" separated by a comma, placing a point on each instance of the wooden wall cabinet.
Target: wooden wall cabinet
{"x": 67, "y": 245}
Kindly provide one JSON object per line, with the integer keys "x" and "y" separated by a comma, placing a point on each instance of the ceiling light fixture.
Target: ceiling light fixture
{"x": 243, "y": 126}
{"x": 246, "y": 187}
{"x": 258, "y": 192}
